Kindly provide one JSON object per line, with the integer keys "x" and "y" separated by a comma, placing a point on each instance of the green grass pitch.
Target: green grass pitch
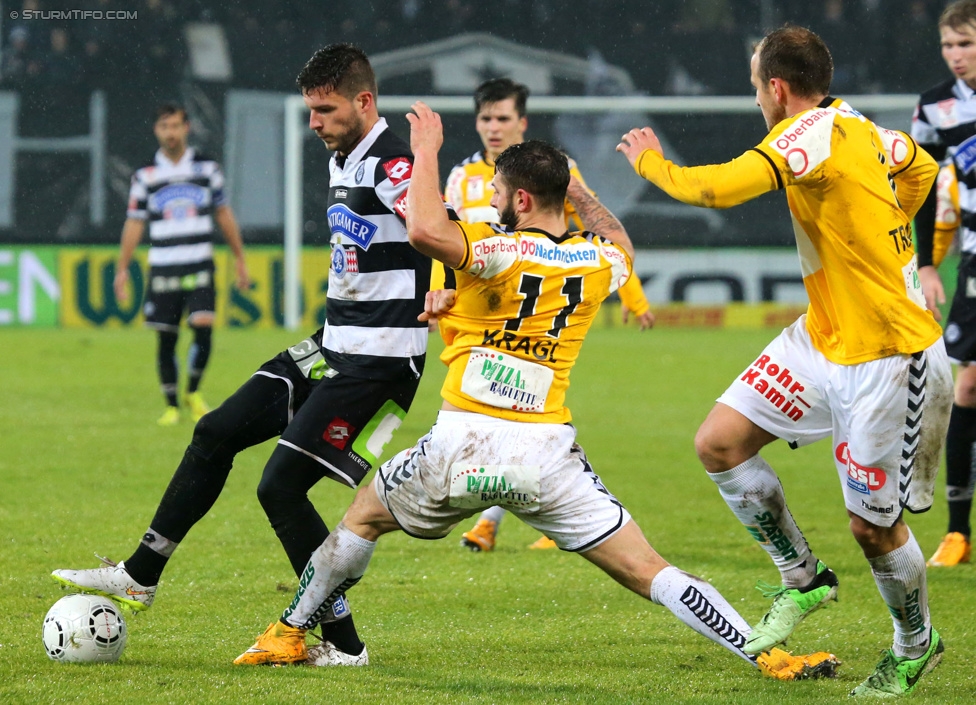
{"x": 83, "y": 465}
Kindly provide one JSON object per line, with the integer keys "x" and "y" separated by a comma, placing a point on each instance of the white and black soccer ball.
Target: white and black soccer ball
{"x": 84, "y": 629}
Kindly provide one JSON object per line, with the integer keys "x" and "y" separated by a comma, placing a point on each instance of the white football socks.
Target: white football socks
{"x": 336, "y": 566}
{"x": 495, "y": 514}
{"x": 754, "y": 494}
{"x": 900, "y": 576}
{"x": 701, "y": 607}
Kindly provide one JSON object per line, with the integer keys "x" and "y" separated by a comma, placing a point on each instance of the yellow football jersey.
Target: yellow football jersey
{"x": 524, "y": 303}
{"x": 469, "y": 192}
{"x": 841, "y": 174}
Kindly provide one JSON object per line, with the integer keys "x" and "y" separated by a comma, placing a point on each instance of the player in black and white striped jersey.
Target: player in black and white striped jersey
{"x": 334, "y": 398}
{"x": 944, "y": 125}
{"x": 181, "y": 195}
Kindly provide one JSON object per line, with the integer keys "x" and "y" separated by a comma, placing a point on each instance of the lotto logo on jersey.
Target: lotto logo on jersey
{"x": 860, "y": 478}
{"x": 398, "y": 170}
{"x": 343, "y": 221}
{"x": 338, "y": 433}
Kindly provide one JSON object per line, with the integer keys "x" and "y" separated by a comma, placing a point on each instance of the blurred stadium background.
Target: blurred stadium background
{"x": 77, "y": 92}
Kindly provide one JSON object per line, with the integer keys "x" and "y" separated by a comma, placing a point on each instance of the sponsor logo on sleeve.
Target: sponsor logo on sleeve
{"x": 806, "y": 143}
{"x": 895, "y": 145}
{"x": 398, "y": 170}
{"x": 965, "y": 156}
{"x": 860, "y": 478}
{"x": 400, "y": 206}
{"x": 343, "y": 221}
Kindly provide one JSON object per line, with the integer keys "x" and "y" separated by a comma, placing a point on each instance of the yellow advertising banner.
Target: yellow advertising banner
{"x": 88, "y": 300}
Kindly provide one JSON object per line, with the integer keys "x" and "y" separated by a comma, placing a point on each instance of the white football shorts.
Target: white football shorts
{"x": 469, "y": 462}
{"x": 888, "y": 417}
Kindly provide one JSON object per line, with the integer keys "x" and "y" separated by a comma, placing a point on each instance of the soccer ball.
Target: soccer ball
{"x": 84, "y": 629}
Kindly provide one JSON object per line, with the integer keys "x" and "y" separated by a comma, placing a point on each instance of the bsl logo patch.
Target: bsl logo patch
{"x": 860, "y": 478}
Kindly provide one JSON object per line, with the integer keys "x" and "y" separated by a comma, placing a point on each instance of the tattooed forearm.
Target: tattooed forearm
{"x": 595, "y": 216}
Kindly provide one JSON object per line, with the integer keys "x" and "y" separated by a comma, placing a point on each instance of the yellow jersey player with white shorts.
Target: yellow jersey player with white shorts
{"x": 865, "y": 365}
{"x": 526, "y": 296}
{"x": 501, "y": 121}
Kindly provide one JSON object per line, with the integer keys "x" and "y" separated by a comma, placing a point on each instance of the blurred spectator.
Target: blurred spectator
{"x": 913, "y": 58}
{"x": 17, "y": 64}
{"x": 836, "y": 25}
{"x": 58, "y": 65}
{"x": 709, "y": 53}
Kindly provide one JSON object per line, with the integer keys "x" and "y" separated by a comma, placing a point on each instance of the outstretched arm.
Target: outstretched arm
{"x": 713, "y": 186}
{"x": 429, "y": 228}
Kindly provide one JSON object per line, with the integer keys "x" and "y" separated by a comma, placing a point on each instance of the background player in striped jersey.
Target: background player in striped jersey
{"x": 181, "y": 195}
{"x": 526, "y": 296}
{"x": 944, "y": 125}
{"x": 865, "y": 365}
{"x": 334, "y": 398}
{"x": 501, "y": 121}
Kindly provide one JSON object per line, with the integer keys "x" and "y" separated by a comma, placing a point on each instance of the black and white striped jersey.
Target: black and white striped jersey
{"x": 378, "y": 281}
{"x": 178, "y": 199}
{"x": 944, "y": 124}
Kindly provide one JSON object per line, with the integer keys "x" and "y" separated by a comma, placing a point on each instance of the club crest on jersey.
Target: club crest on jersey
{"x": 343, "y": 221}
{"x": 344, "y": 260}
{"x": 946, "y": 111}
{"x": 860, "y": 478}
{"x": 360, "y": 173}
{"x": 965, "y": 156}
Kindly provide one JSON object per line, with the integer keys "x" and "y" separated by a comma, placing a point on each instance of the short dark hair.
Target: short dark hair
{"x": 164, "y": 110}
{"x": 343, "y": 68}
{"x": 538, "y": 168}
{"x": 799, "y": 57}
{"x": 959, "y": 14}
{"x": 496, "y": 89}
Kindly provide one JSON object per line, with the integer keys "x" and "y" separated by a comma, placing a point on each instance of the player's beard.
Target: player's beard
{"x": 508, "y": 217}
{"x": 352, "y": 132}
